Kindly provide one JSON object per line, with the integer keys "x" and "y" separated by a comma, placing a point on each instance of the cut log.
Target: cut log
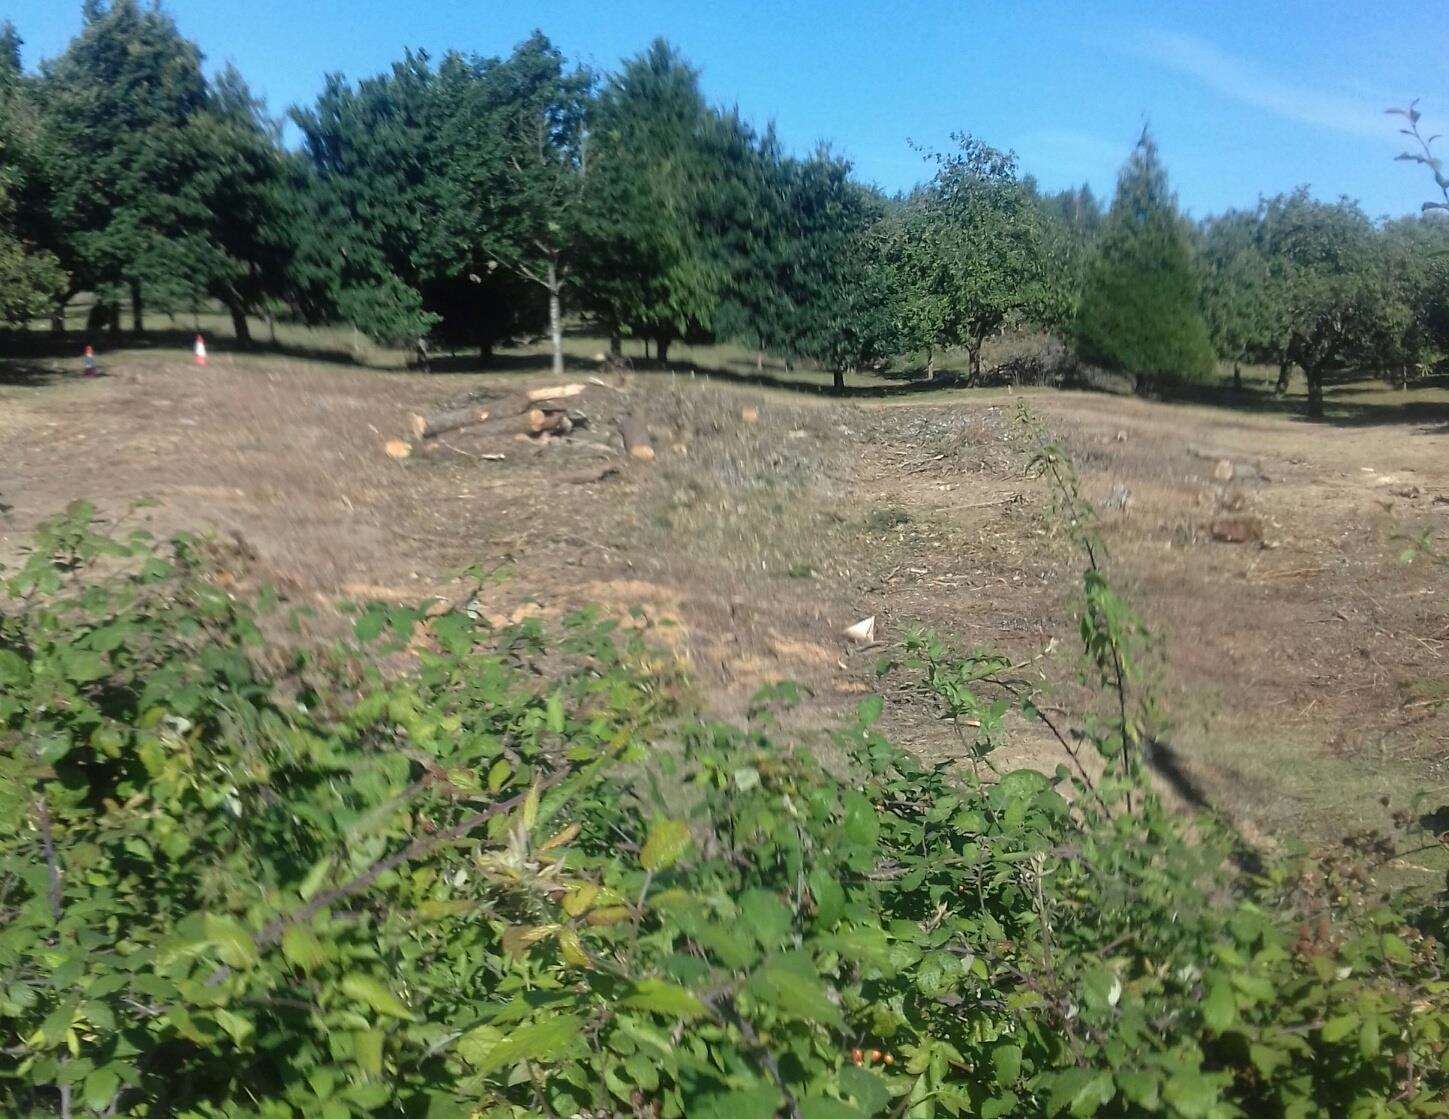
{"x": 555, "y": 392}
{"x": 636, "y": 437}
{"x": 508, "y": 417}
{"x": 397, "y": 448}
{"x": 496, "y": 411}
{"x": 430, "y": 427}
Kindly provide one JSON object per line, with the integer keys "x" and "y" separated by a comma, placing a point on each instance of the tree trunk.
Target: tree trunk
{"x": 616, "y": 344}
{"x": 555, "y": 319}
{"x": 485, "y": 351}
{"x": 839, "y": 378}
{"x": 113, "y": 321}
{"x": 240, "y": 328}
{"x": 272, "y": 325}
{"x": 974, "y": 353}
{"x": 1315, "y": 391}
{"x": 1285, "y": 372}
{"x": 759, "y": 361}
{"x": 661, "y": 349}
{"x": 57, "y": 320}
{"x": 138, "y": 319}
{"x": 1238, "y": 376}
{"x": 930, "y": 365}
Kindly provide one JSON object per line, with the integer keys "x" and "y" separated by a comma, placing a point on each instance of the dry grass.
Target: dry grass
{"x": 1305, "y": 676}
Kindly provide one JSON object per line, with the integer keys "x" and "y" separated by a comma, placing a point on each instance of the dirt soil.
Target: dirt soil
{"x": 1302, "y": 665}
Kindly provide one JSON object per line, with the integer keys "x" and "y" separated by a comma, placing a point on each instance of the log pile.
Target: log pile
{"x": 535, "y": 416}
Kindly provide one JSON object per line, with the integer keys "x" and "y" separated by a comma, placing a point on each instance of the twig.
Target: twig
{"x": 52, "y": 866}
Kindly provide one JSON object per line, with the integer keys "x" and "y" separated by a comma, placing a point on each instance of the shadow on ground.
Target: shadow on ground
{"x": 35, "y": 356}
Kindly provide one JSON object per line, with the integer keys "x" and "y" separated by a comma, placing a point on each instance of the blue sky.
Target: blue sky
{"x": 1245, "y": 97}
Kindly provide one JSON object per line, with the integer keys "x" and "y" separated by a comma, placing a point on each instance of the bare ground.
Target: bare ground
{"x": 1304, "y": 674}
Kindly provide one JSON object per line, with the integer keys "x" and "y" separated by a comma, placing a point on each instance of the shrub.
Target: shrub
{"x": 515, "y": 882}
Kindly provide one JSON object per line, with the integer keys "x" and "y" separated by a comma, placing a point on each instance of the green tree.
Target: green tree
{"x": 839, "y": 301}
{"x": 1328, "y": 276}
{"x": 970, "y": 257}
{"x": 31, "y": 278}
{"x": 1238, "y": 302}
{"x": 650, "y": 244}
{"x": 374, "y": 168}
{"x": 243, "y": 201}
{"x": 804, "y": 243}
{"x": 513, "y": 174}
{"x": 1140, "y": 306}
{"x": 118, "y": 104}
{"x": 1416, "y": 326}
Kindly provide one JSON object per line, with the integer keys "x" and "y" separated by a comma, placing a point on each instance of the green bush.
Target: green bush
{"x": 515, "y": 881}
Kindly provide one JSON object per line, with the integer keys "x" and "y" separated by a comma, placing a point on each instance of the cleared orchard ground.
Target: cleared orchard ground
{"x": 1304, "y": 675}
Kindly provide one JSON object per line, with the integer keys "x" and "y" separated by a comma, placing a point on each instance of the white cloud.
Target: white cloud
{"x": 1242, "y": 81}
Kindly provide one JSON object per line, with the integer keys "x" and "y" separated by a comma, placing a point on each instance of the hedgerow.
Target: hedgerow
{"x": 521, "y": 879}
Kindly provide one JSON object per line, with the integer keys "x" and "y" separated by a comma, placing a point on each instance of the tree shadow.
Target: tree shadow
{"x": 1339, "y": 410}
{"x": 36, "y": 346}
{"x": 28, "y": 374}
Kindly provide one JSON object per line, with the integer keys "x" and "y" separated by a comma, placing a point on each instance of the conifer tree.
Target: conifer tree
{"x": 1140, "y": 312}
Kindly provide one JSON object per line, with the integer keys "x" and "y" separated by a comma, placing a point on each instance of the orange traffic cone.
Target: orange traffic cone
{"x": 200, "y": 350}
{"x": 89, "y": 360}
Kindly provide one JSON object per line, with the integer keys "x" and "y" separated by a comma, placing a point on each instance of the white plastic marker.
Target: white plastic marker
{"x": 200, "y": 350}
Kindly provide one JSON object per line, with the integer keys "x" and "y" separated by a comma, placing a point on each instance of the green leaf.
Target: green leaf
{"x": 868, "y": 711}
{"x": 1219, "y": 1010}
{"x": 661, "y": 997}
{"x": 1079, "y": 1091}
{"x": 668, "y": 839}
{"x": 370, "y": 624}
{"x": 822, "y": 1107}
{"x": 365, "y": 989}
{"x": 1396, "y": 951}
{"x": 829, "y": 897}
{"x": 1336, "y": 1029}
{"x": 1142, "y": 1088}
{"x": 861, "y": 824}
{"x": 791, "y": 985}
{"x": 367, "y": 1050}
{"x": 1368, "y": 1038}
{"x": 1267, "y": 1059}
{"x": 301, "y": 947}
{"x": 488, "y": 1050}
{"x": 1006, "y": 1063}
{"x": 998, "y": 1106}
{"x": 1192, "y": 1093}
{"x": 100, "y": 1088}
{"x": 871, "y": 1092}
{"x": 83, "y": 667}
{"x": 237, "y": 1027}
{"x": 766, "y": 917}
{"x": 743, "y": 1103}
{"x": 233, "y": 943}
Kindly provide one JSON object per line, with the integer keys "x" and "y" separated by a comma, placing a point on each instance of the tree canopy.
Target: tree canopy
{"x": 480, "y": 201}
